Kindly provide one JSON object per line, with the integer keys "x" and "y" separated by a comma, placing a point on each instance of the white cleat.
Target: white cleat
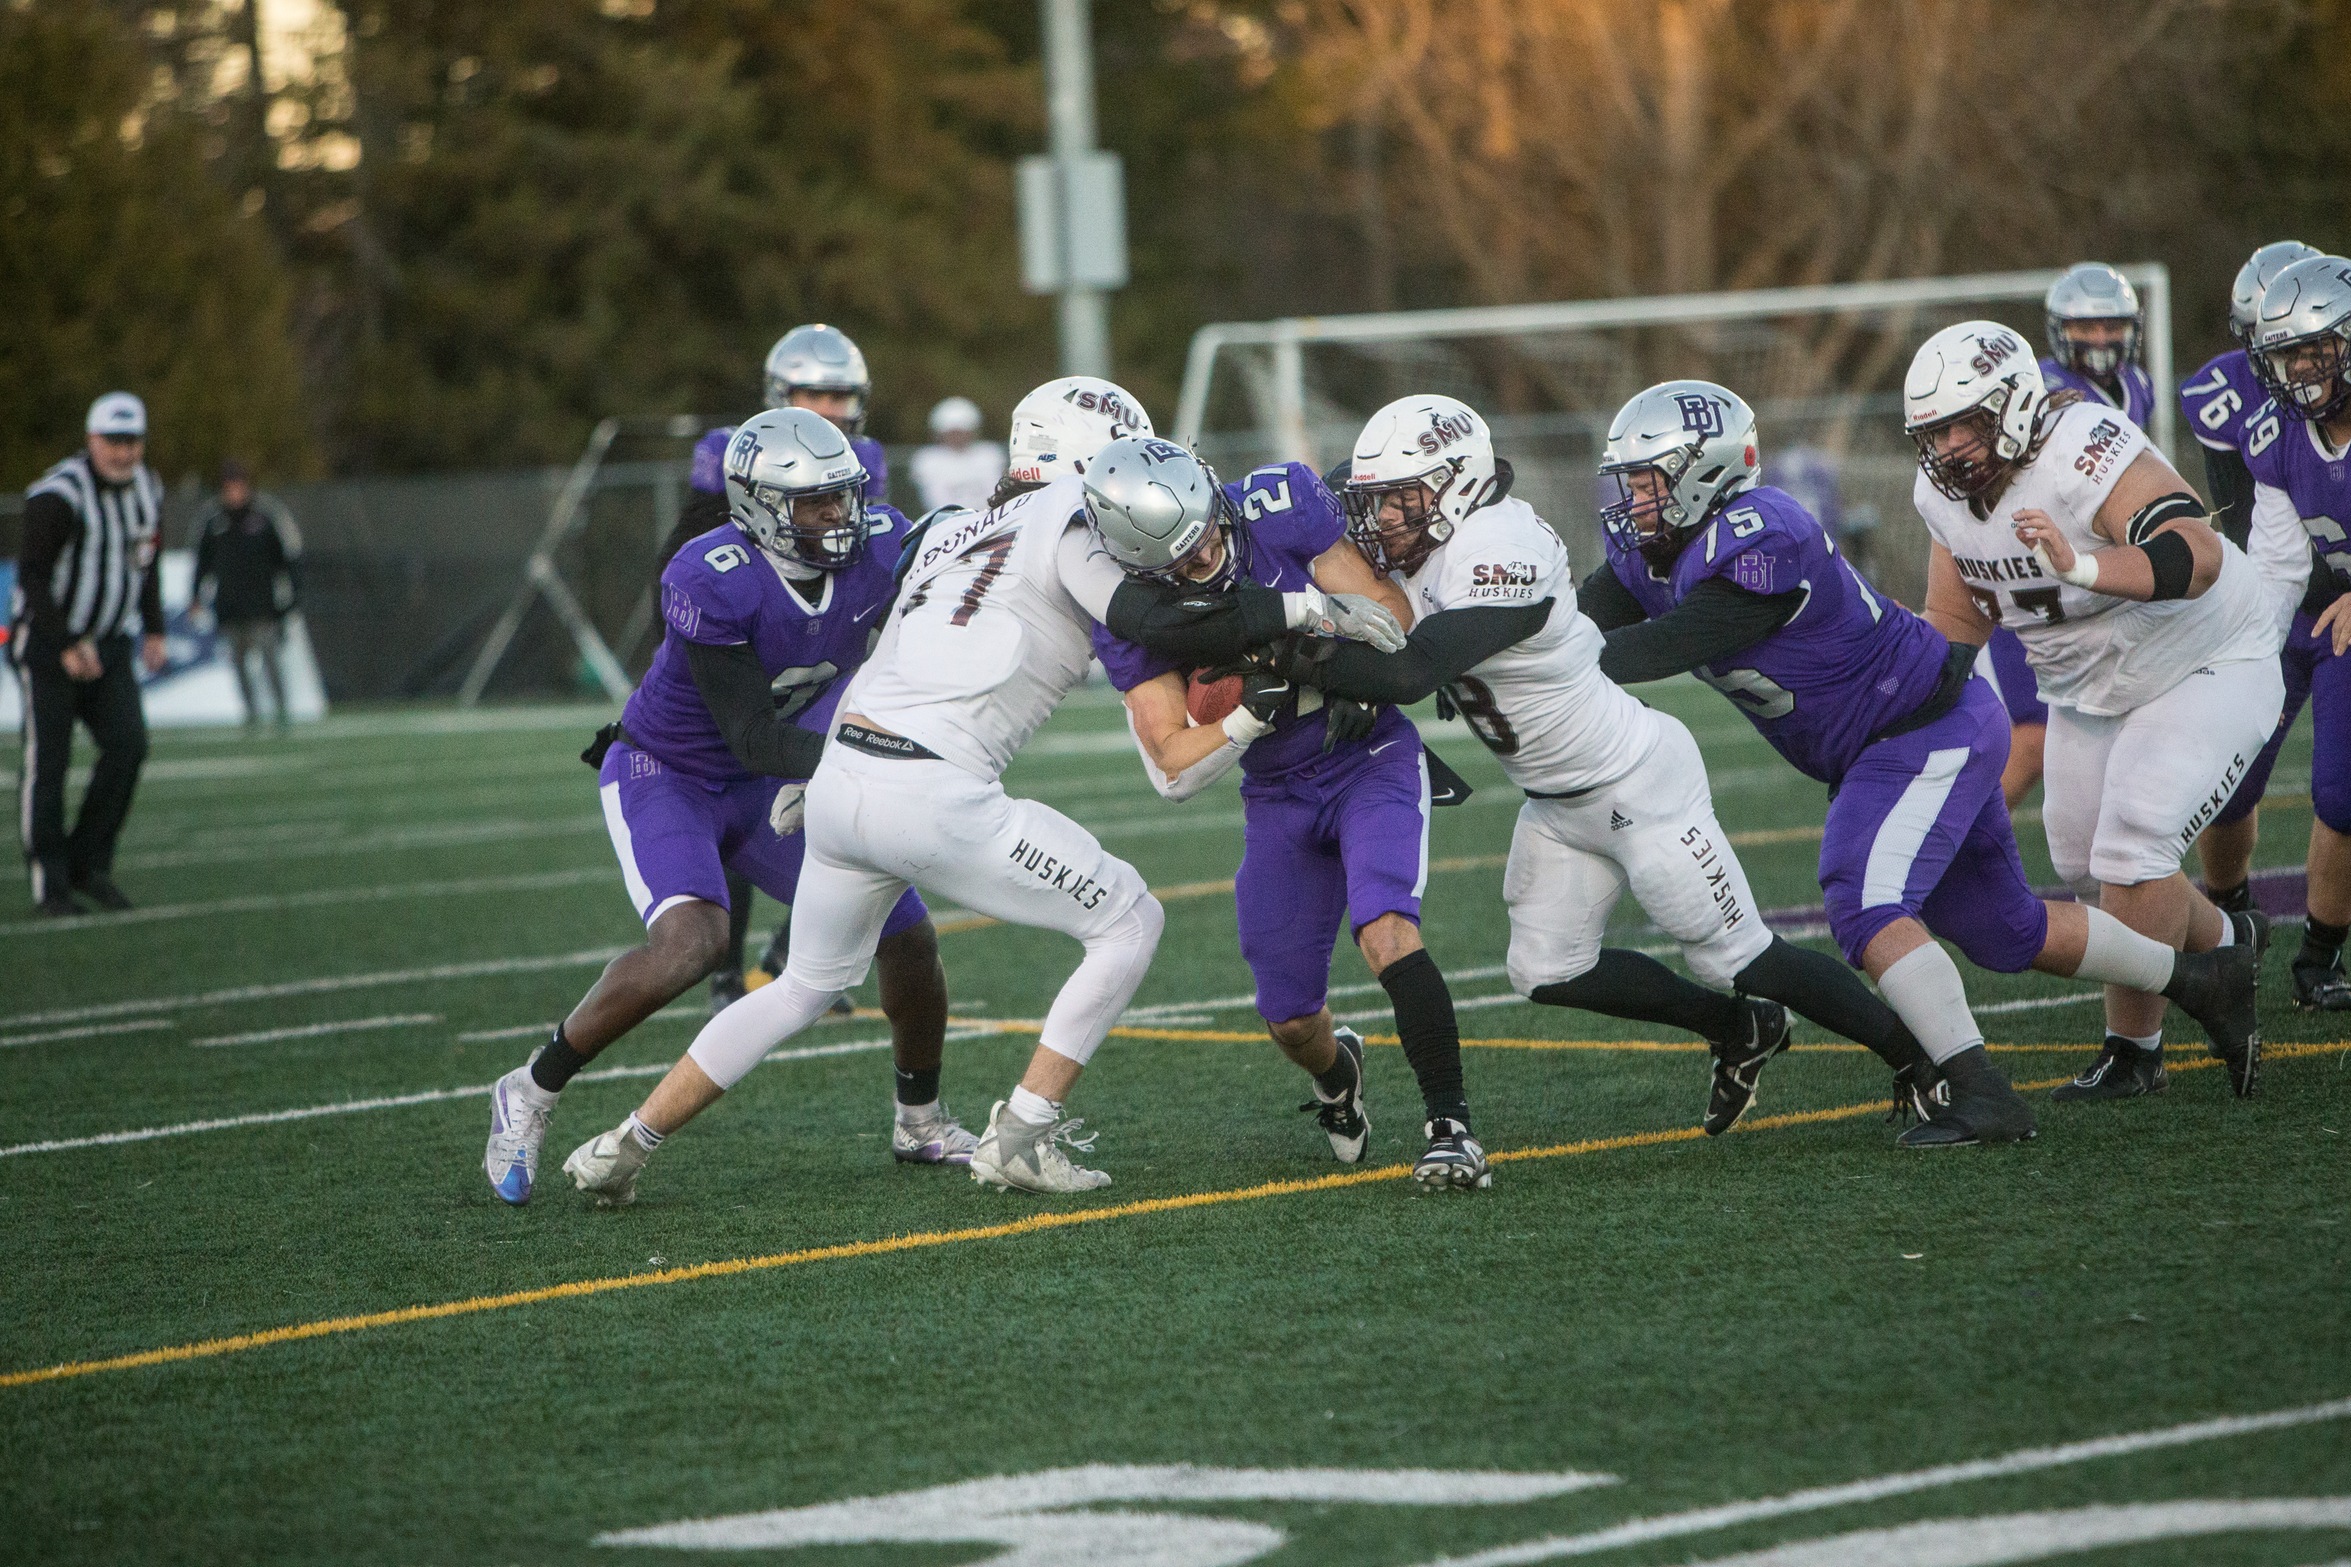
{"x": 519, "y": 1110}
{"x": 937, "y": 1138}
{"x": 1344, "y": 1120}
{"x": 1012, "y": 1156}
{"x": 606, "y": 1166}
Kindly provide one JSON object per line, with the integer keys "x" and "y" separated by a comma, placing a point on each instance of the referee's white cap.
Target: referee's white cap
{"x": 117, "y": 413}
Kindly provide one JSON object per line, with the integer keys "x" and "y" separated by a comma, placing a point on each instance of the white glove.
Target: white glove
{"x": 791, "y": 804}
{"x": 1347, "y": 615}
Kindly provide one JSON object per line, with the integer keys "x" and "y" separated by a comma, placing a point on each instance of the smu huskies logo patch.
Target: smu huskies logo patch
{"x": 1996, "y": 351}
{"x": 2098, "y": 455}
{"x": 1701, "y": 414}
{"x": 1444, "y": 429}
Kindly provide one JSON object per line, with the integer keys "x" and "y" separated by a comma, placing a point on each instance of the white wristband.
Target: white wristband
{"x": 2082, "y": 574}
{"x": 1304, "y": 610}
{"x": 1242, "y": 727}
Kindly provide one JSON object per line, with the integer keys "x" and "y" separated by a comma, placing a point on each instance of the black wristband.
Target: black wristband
{"x": 2174, "y": 564}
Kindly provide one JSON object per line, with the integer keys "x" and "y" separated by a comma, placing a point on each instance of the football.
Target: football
{"x": 1208, "y": 701}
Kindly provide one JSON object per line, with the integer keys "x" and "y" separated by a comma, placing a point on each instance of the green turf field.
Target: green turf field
{"x": 372, "y": 920}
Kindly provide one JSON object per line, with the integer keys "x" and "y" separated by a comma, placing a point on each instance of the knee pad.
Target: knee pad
{"x": 1530, "y": 969}
{"x": 1138, "y": 928}
{"x": 2330, "y": 798}
{"x": 1721, "y": 958}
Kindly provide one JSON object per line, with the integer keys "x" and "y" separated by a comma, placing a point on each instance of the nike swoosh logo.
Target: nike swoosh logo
{"x": 1382, "y": 746}
{"x": 861, "y": 614}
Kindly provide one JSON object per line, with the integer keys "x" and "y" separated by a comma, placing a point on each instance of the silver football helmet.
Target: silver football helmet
{"x": 2093, "y": 291}
{"x": 2302, "y": 339}
{"x": 1059, "y": 427}
{"x": 1434, "y": 456}
{"x": 1979, "y": 372}
{"x": 795, "y": 486}
{"x": 1152, "y": 505}
{"x": 819, "y": 358}
{"x": 2254, "y": 276}
{"x": 1676, "y": 452}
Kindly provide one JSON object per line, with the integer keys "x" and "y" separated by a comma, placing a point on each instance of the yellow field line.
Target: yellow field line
{"x": 327, "y": 1327}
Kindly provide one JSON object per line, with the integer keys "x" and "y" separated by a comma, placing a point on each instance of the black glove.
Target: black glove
{"x": 1266, "y": 695}
{"x": 1446, "y": 708}
{"x": 1348, "y": 720}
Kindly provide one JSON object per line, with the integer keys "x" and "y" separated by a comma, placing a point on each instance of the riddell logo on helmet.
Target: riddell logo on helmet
{"x": 1444, "y": 429}
{"x": 1996, "y": 351}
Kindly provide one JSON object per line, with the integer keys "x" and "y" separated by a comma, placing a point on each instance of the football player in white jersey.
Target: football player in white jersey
{"x": 2151, "y": 637}
{"x": 990, "y": 631}
{"x": 1616, "y": 791}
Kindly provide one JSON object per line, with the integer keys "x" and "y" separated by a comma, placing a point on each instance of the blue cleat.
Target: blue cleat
{"x": 519, "y": 1111}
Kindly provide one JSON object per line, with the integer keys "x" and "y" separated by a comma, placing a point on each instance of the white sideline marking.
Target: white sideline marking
{"x": 2035, "y": 1003}
{"x": 353, "y": 1025}
{"x": 366, "y": 842}
{"x": 1704, "y": 1520}
{"x": 324, "y": 897}
{"x": 135, "y": 1026}
{"x": 2038, "y": 1536}
{"x": 316, "y": 987}
{"x": 394, "y": 1101}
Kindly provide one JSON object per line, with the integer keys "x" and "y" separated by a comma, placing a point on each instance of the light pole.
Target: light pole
{"x": 1072, "y": 202}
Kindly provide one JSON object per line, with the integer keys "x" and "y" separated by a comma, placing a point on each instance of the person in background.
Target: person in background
{"x": 84, "y": 575}
{"x": 957, "y": 468}
{"x": 247, "y": 555}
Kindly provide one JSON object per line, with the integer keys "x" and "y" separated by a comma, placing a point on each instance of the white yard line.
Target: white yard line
{"x": 365, "y": 842}
{"x": 1705, "y": 1520}
{"x": 353, "y": 1025}
{"x": 89, "y": 1031}
{"x": 322, "y": 897}
{"x": 318, "y": 987}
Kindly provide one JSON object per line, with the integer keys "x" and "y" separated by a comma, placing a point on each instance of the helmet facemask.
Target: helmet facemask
{"x": 2309, "y": 376}
{"x": 824, "y": 530}
{"x": 2100, "y": 354}
{"x": 1399, "y": 525}
{"x": 1972, "y": 465}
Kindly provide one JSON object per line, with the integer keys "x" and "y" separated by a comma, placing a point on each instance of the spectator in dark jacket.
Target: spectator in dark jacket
{"x": 247, "y": 555}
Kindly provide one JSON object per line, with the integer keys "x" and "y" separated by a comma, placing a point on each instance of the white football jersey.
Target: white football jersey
{"x": 1542, "y": 706}
{"x": 2090, "y": 651}
{"x": 991, "y": 629}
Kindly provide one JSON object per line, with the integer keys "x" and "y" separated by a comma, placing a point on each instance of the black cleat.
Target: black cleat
{"x": 1920, "y": 1093}
{"x": 2250, "y": 928}
{"x": 58, "y": 906}
{"x": 1983, "y": 1108}
{"x": 2217, "y": 990}
{"x": 1737, "y": 1066}
{"x": 2122, "y": 1071}
{"x": 2322, "y": 987}
{"x": 726, "y": 988}
{"x": 100, "y": 889}
{"x": 1343, "y": 1119}
{"x": 1454, "y": 1161}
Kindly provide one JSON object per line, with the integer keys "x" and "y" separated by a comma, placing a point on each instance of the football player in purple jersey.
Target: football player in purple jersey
{"x": 2220, "y": 404}
{"x": 2298, "y": 458}
{"x": 818, "y": 368}
{"x": 1709, "y": 574}
{"x": 766, "y": 617}
{"x": 1335, "y": 794}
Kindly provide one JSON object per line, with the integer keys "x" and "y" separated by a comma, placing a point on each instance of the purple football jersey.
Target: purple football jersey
{"x": 1851, "y": 661}
{"x": 2284, "y": 454}
{"x": 2220, "y": 400}
{"x": 720, "y": 590}
{"x": 1288, "y": 518}
{"x": 2138, "y": 392}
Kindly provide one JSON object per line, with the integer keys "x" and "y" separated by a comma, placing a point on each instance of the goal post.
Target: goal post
{"x": 1821, "y": 365}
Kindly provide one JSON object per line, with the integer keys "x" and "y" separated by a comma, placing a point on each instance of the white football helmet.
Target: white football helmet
{"x": 819, "y": 358}
{"x": 2093, "y": 291}
{"x": 1699, "y": 440}
{"x": 1151, "y": 505}
{"x": 796, "y": 487}
{"x": 1983, "y": 372}
{"x": 2254, "y": 276}
{"x": 1058, "y": 428}
{"x": 1436, "y": 456}
{"x": 2302, "y": 343}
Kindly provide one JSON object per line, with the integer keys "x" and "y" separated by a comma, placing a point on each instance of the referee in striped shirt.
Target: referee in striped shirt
{"x": 84, "y": 574}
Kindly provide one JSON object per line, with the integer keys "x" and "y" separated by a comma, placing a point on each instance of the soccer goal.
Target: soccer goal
{"x": 1822, "y": 366}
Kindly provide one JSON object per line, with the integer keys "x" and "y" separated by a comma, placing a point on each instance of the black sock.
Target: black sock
{"x": 1339, "y": 1077}
{"x": 1634, "y": 985}
{"x": 1432, "y": 1040}
{"x": 1823, "y": 989}
{"x": 2322, "y": 943}
{"x": 2232, "y": 900}
{"x": 557, "y": 1064}
{"x": 918, "y": 1088}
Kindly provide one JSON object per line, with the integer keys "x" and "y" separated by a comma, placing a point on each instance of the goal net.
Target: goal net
{"x": 1821, "y": 366}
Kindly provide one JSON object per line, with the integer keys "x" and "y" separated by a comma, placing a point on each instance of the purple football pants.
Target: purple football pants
{"x": 2314, "y": 674}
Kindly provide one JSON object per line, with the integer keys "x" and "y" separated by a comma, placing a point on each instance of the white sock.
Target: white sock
{"x": 910, "y": 1114}
{"x": 2115, "y": 954}
{"x": 2228, "y": 933}
{"x": 646, "y": 1137}
{"x": 1031, "y": 1110}
{"x": 2152, "y": 1042}
{"x": 1924, "y": 990}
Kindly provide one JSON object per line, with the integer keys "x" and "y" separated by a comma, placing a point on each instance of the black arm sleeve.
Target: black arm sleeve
{"x": 151, "y": 600}
{"x": 1196, "y": 628}
{"x": 1440, "y": 650}
{"x": 2231, "y": 483}
{"x": 1608, "y": 601}
{"x": 735, "y": 689}
{"x": 701, "y": 512}
{"x": 49, "y": 525}
{"x": 1716, "y": 619}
